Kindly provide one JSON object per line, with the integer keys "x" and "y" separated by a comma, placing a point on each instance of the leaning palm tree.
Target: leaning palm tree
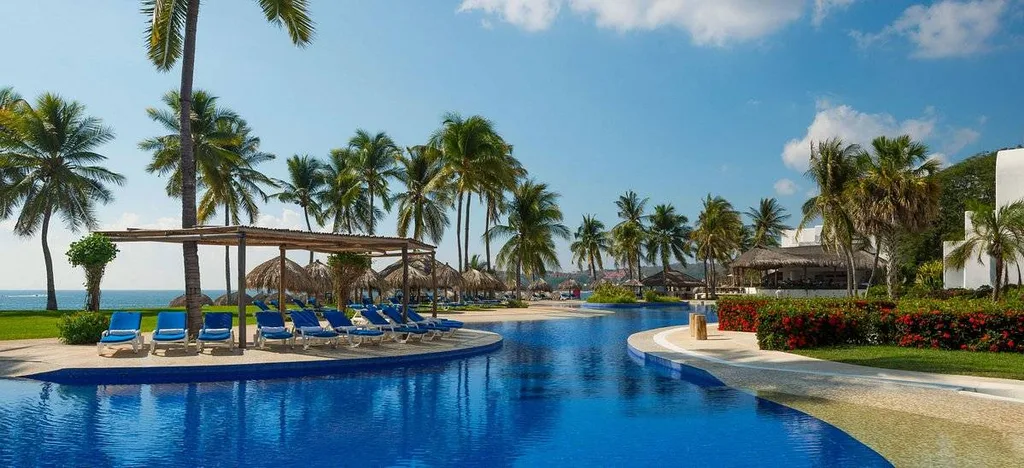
{"x": 305, "y": 179}
{"x": 534, "y": 221}
{"x": 171, "y": 35}
{"x": 834, "y": 169}
{"x": 591, "y": 242}
{"x": 376, "y": 159}
{"x": 895, "y": 195}
{"x": 470, "y": 147}
{"x": 717, "y": 234}
{"x": 50, "y": 150}
{"x": 767, "y": 221}
{"x": 424, "y": 203}
{"x": 995, "y": 234}
{"x": 668, "y": 237}
{"x": 240, "y": 188}
{"x": 343, "y": 200}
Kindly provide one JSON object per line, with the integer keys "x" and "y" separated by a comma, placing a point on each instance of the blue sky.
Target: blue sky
{"x": 674, "y": 99}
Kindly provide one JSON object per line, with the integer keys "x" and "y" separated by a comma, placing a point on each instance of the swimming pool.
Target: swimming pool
{"x": 561, "y": 392}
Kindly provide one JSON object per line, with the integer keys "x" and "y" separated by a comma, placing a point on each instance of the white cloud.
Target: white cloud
{"x": 960, "y": 139}
{"x": 949, "y": 28}
{"x": 709, "y": 22}
{"x": 785, "y": 187}
{"x": 852, "y": 126}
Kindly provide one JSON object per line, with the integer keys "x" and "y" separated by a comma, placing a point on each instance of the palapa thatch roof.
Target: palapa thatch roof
{"x": 760, "y": 258}
{"x": 633, "y": 283}
{"x": 447, "y": 277}
{"x": 267, "y": 276}
{"x": 496, "y": 284}
{"x": 476, "y": 280}
{"x": 674, "y": 279}
{"x": 320, "y": 277}
{"x": 417, "y": 278}
{"x": 368, "y": 280}
{"x": 270, "y": 296}
{"x": 568, "y": 285}
{"x": 540, "y": 285}
{"x": 231, "y": 299}
{"x": 180, "y": 301}
{"x": 599, "y": 282}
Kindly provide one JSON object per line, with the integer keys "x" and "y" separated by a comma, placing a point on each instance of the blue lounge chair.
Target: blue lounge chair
{"x": 262, "y": 305}
{"x": 125, "y": 327}
{"x": 170, "y": 328}
{"x": 307, "y": 327}
{"x": 355, "y": 335}
{"x": 302, "y": 305}
{"x": 433, "y": 330}
{"x": 379, "y": 322}
{"x": 270, "y": 326}
{"x": 216, "y": 329}
{"x": 453, "y": 324}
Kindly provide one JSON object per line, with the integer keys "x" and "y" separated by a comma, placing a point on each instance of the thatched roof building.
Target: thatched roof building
{"x": 267, "y": 276}
{"x": 771, "y": 258}
{"x": 674, "y": 279}
{"x": 633, "y": 283}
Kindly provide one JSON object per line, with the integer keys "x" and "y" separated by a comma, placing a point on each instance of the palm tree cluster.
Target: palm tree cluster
{"x": 997, "y": 234}
{"x": 871, "y": 198}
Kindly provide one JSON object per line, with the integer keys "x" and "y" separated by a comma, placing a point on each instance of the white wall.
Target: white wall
{"x": 808, "y": 236}
{"x": 799, "y": 293}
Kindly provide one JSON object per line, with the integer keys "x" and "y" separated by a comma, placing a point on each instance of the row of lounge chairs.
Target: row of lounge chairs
{"x": 126, "y": 328}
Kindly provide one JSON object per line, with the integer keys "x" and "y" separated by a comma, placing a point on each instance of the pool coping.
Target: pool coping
{"x": 136, "y": 375}
{"x": 634, "y": 305}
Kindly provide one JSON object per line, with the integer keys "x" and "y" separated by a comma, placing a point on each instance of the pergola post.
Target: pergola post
{"x": 405, "y": 282}
{"x": 280, "y": 284}
{"x": 433, "y": 283}
{"x": 241, "y": 290}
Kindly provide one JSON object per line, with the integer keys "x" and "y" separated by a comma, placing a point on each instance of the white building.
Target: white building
{"x": 795, "y": 238}
{"x": 1009, "y": 188}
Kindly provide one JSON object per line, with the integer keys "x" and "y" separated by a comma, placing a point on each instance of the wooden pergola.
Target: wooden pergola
{"x": 284, "y": 240}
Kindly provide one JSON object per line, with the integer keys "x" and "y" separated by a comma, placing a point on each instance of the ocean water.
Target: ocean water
{"x": 70, "y": 299}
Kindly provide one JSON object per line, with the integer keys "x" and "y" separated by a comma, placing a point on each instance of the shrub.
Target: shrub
{"x": 653, "y": 296}
{"x": 81, "y": 327}
{"x": 611, "y": 294}
{"x": 739, "y": 314}
{"x": 810, "y": 323}
{"x": 929, "y": 275}
{"x": 976, "y": 325}
{"x": 878, "y": 291}
{"x": 516, "y": 304}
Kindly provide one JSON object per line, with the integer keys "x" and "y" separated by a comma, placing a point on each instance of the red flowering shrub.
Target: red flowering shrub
{"x": 739, "y": 314}
{"x": 811, "y": 323}
{"x": 959, "y": 324}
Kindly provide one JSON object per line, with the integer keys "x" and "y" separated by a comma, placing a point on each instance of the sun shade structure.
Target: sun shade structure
{"x": 285, "y": 239}
{"x": 568, "y": 285}
{"x": 180, "y": 301}
{"x": 476, "y": 280}
{"x": 267, "y": 276}
{"x": 368, "y": 280}
{"x": 540, "y": 285}
{"x": 320, "y": 277}
{"x": 228, "y": 299}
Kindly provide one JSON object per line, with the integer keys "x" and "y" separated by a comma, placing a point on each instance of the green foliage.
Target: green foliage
{"x": 611, "y": 294}
{"x": 653, "y": 296}
{"x": 94, "y": 250}
{"x": 878, "y": 291}
{"x": 348, "y": 260}
{"x": 81, "y": 327}
{"x": 517, "y": 304}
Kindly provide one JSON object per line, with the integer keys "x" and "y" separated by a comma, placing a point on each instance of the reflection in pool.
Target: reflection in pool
{"x": 558, "y": 393}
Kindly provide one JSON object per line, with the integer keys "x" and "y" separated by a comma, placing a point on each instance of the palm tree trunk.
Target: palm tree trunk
{"x": 51, "y": 291}
{"x": 458, "y": 234}
{"x": 487, "y": 239}
{"x": 189, "y": 250}
{"x": 309, "y": 227}
{"x": 891, "y": 270}
{"x": 874, "y": 267}
{"x": 999, "y": 279}
{"x": 227, "y": 256}
{"x": 371, "y": 210}
{"x": 519, "y": 276}
{"x": 1019, "y": 282}
{"x": 465, "y": 238}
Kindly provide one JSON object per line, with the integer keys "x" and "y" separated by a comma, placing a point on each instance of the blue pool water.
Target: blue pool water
{"x": 558, "y": 393}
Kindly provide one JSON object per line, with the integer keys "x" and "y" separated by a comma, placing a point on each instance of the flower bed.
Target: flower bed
{"x": 739, "y": 314}
{"x": 965, "y": 325}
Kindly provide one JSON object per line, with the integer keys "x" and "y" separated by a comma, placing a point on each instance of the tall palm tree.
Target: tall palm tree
{"x": 591, "y": 242}
{"x": 50, "y": 150}
{"x": 717, "y": 234}
{"x": 834, "y": 169}
{"x": 499, "y": 178}
{"x": 470, "y": 147}
{"x": 424, "y": 203}
{"x": 996, "y": 234}
{"x": 241, "y": 186}
{"x": 895, "y": 195}
{"x": 767, "y": 221}
{"x": 534, "y": 221}
{"x": 668, "y": 237}
{"x": 305, "y": 179}
{"x": 630, "y": 232}
{"x": 376, "y": 162}
{"x": 343, "y": 200}
{"x": 171, "y": 35}
{"x": 476, "y": 263}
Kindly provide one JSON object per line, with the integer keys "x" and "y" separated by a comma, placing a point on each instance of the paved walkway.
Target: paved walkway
{"x": 911, "y": 418}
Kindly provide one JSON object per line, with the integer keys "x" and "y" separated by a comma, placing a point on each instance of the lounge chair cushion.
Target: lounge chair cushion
{"x": 170, "y": 334}
{"x": 214, "y": 334}
{"x": 122, "y": 332}
{"x": 272, "y": 329}
{"x": 317, "y": 332}
{"x": 364, "y": 332}
{"x": 276, "y": 335}
{"x": 117, "y": 338}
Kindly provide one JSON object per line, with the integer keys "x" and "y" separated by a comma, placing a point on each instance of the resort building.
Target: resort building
{"x": 1009, "y": 188}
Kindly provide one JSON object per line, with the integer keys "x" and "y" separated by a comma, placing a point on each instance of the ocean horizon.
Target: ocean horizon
{"x": 74, "y": 299}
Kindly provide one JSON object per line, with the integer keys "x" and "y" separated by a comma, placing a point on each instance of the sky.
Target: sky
{"x": 674, "y": 99}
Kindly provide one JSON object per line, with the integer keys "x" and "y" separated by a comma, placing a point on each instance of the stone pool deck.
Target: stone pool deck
{"x": 911, "y": 418}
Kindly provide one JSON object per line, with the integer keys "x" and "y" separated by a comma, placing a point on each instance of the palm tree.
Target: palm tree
{"x": 629, "y": 234}
{"x": 305, "y": 179}
{"x": 499, "y": 177}
{"x": 424, "y": 203}
{"x": 591, "y": 241}
{"x": 469, "y": 146}
{"x": 767, "y": 222}
{"x": 49, "y": 149}
{"x": 998, "y": 235}
{"x": 668, "y": 237}
{"x": 476, "y": 263}
{"x": 343, "y": 200}
{"x": 171, "y": 35}
{"x": 241, "y": 186}
{"x": 717, "y": 234}
{"x": 534, "y": 221}
{"x": 896, "y": 195}
{"x": 375, "y": 163}
{"x": 834, "y": 169}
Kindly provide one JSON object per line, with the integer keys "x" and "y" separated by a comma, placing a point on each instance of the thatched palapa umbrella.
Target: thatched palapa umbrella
{"x": 369, "y": 280}
{"x": 267, "y": 277}
{"x": 180, "y": 301}
{"x": 231, "y": 299}
{"x": 540, "y": 285}
{"x": 568, "y": 285}
{"x": 320, "y": 278}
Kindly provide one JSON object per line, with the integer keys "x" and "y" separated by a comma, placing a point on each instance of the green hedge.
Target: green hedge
{"x": 611, "y": 294}
{"x": 82, "y": 327}
{"x": 652, "y": 296}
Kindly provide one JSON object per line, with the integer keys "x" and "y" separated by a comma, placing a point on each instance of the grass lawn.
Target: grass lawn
{"x": 1002, "y": 365}
{"x": 25, "y": 324}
